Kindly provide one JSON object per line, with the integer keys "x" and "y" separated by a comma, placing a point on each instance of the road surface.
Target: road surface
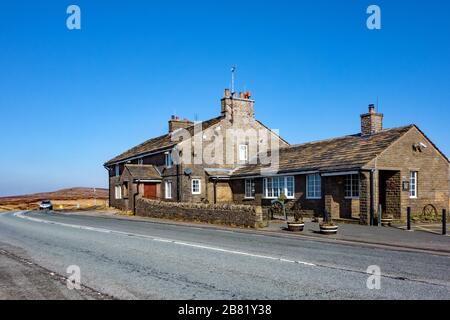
{"x": 145, "y": 260}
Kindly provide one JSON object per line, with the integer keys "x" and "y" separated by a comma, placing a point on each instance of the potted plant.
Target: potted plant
{"x": 328, "y": 226}
{"x": 298, "y": 224}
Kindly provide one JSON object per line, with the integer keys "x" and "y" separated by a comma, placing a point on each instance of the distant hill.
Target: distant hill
{"x": 64, "y": 194}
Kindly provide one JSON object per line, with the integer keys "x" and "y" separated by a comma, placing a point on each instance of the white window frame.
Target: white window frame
{"x": 413, "y": 179}
{"x": 249, "y": 189}
{"x": 118, "y": 192}
{"x": 117, "y": 170}
{"x": 349, "y": 184}
{"x": 273, "y": 187}
{"x": 243, "y": 153}
{"x": 168, "y": 159}
{"x": 199, "y": 186}
{"x": 168, "y": 189}
{"x": 314, "y": 196}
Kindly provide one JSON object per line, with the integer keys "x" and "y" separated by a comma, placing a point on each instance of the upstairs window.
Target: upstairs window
{"x": 352, "y": 186}
{"x": 249, "y": 188}
{"x": 140, "y": 161}
{"x": 117, "y": 170}
{"x": 314, "y": 186}
{"x": 168, "y": 159}
{"x": 196, "y": 186}
{"x": 413, "y": 184}
{"x": 243, "y": 153}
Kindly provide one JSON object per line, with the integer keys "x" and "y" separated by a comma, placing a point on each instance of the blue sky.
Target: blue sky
{"x": 71, "y": 100}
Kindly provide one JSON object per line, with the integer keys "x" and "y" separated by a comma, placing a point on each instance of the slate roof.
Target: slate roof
{"x": 143, "y": 172}
{"x": 156, "y": 144}
{"x": 348, "y": 152}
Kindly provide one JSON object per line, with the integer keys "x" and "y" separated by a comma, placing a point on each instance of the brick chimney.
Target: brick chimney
{"x": 371, "y": 122}
{"x": 177, "y": 123}
{"x": 241, "y": 108}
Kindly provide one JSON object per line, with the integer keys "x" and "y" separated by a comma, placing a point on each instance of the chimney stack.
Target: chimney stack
{"x": 176, "y": 123}
{"x": 240, "y": 108}
{"x": 371, "y": 122}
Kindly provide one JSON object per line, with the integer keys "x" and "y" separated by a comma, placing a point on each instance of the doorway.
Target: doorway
{"x": 150, "y": 191}
{"x": 389, "y": 193}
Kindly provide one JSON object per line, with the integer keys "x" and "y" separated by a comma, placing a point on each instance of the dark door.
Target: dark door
{"x": 150, "y": 190}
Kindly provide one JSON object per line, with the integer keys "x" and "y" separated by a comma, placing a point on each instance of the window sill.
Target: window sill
{"x": 314, "y": 198}
{"x": 351, "y": 198}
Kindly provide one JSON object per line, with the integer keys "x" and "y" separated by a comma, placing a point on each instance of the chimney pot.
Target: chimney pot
{"x": 227, "y": 93}
{"x": 371, "y": 108}
{"x": 241, "y": 95}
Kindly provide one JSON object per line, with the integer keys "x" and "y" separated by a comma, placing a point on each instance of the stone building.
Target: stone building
{"x": 350, "y": 177}
{"x": 193, "y": 161}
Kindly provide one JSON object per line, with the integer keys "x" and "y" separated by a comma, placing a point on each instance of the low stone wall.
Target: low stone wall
{"x": 229, "y": 214}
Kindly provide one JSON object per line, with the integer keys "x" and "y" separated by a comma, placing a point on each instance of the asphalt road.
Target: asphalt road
{"x": 144, "y": 260}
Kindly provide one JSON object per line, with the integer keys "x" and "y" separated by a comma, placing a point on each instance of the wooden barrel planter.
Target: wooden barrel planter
{"x": 296, "y": 226}
{"x": 328, "y": 229}
{"x": 386, "y": 222}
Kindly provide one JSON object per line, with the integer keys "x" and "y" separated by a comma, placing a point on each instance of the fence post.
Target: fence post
{"x": 408, "y": 218}
{"x": 444, "y": 222}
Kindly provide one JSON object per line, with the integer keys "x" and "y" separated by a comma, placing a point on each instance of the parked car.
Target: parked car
{"x": 46, "y": 205}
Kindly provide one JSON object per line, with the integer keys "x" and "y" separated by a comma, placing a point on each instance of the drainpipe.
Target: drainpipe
{"x": 215, "y": 191}
{"x": 178, "y": 183}
{"x": 372, "y": 182}
{"x": 134, "y": 197}
{"x": 109, "y": 186}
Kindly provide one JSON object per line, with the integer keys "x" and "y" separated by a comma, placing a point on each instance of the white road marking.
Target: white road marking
{"x": 157, "y": 239}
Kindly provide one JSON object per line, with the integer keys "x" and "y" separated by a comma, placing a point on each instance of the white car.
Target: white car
{"x": 46, "y": 205}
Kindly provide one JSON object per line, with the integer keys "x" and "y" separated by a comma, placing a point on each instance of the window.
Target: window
{"x": 276, "y": 186}
{"x": 413, "y": 185}
{"x": 168, "y": 189}
{"x": 196, "y": 186}
{"x": 118, "y": 192}
{"x": 313, "y": 186}
{"x": 168, "y": 159}
{"x": 243, "y": 153}
{"x": 352, "y": 186}
{"x": 140, "y": 161}
{"x": 249, "y": 188}
{"x": 125, "y": 190}
{"x": 117, "y": 170}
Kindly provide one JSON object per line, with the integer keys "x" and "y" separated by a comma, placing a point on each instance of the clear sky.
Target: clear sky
{"x": 70, "y": 100}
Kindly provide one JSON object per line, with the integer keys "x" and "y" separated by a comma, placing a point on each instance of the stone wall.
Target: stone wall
{"x": 234, "y": 215}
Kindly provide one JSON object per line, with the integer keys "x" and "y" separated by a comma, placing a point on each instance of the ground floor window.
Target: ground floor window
{"x": 168, "y": 189}
{"x": 249, "y": 188}
{"x": 276, "y": 186}
{"x": 413, "y": 185}
{"x": 196, "y": 186}
{"x": 125, "y": 189}
{"x": 352, "y": 186}
{"x": 118, "y": 192}
{"x": 314, "y": 186}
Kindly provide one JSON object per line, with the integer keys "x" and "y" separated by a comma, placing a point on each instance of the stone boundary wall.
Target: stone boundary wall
{"x": 228, "y": 214}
